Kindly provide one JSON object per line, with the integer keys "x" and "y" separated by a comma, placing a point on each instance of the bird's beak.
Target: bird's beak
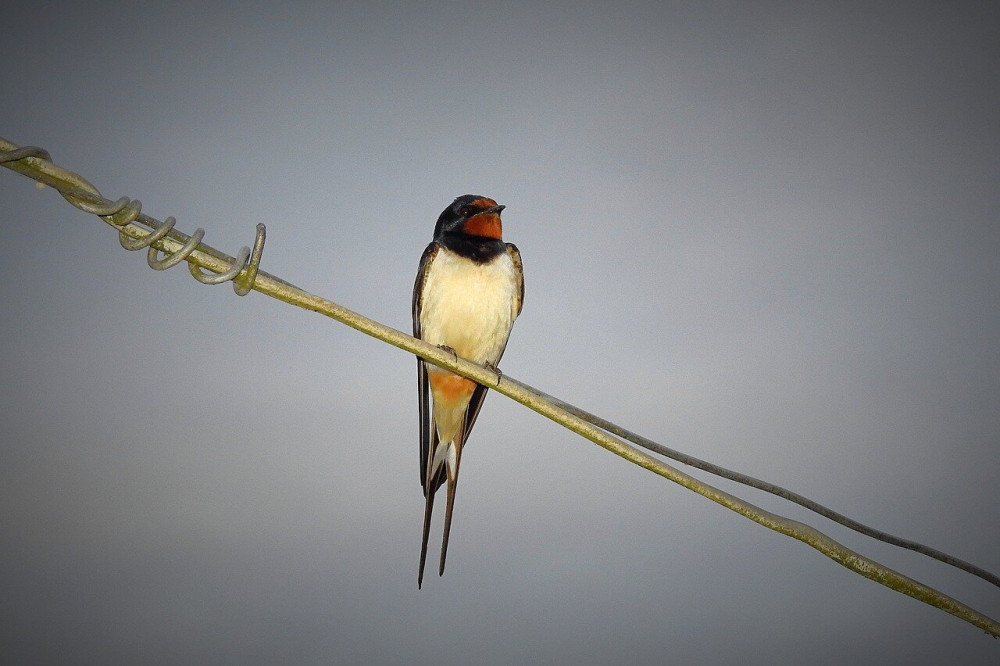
{"x": 494, "y": 209}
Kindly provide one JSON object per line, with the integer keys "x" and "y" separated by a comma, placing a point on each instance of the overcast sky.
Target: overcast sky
{"x": 766, "y": 235}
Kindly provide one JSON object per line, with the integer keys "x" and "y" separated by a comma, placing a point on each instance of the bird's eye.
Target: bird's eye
{"x": 465, "y": 211}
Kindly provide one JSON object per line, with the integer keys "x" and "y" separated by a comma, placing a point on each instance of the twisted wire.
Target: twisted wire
{"x": 126, "y": 214}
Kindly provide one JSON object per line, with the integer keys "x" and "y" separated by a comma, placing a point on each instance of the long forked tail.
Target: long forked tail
{"x": 449, "y": 507}
{"x": 428, "y": 509}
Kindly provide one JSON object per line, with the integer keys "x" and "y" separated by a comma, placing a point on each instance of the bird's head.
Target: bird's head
{"x": 471, "y": 215}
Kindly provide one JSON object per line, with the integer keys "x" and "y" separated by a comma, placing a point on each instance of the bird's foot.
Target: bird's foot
{"x": 450, "y": 350}
{"x": 494, "y": 368}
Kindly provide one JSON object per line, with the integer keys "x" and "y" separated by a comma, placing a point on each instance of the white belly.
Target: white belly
{"x": 469, "y": 307}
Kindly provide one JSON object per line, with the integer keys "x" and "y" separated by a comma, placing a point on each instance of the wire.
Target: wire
{"x": 121, "y": 214}
{"x": 784, "y": 493}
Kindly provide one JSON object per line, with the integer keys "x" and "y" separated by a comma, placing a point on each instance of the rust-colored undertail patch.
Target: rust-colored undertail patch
{"x": 450, "y": 388}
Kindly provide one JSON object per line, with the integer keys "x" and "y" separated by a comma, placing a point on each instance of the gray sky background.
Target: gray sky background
{"x": 764, "y": 234}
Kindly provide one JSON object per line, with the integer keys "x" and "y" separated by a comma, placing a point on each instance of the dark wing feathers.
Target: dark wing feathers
{"x": 515, "y": 256}
{"x": 428, "y": 434}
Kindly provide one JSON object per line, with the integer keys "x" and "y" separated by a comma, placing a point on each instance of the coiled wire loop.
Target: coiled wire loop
{"x": 124, "y": 212}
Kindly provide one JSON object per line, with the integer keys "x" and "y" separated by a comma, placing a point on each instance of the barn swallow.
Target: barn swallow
{"x": 467, "y": 294}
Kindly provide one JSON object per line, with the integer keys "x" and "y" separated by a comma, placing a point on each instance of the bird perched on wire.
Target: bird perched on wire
{"x": 467, "y": 294}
